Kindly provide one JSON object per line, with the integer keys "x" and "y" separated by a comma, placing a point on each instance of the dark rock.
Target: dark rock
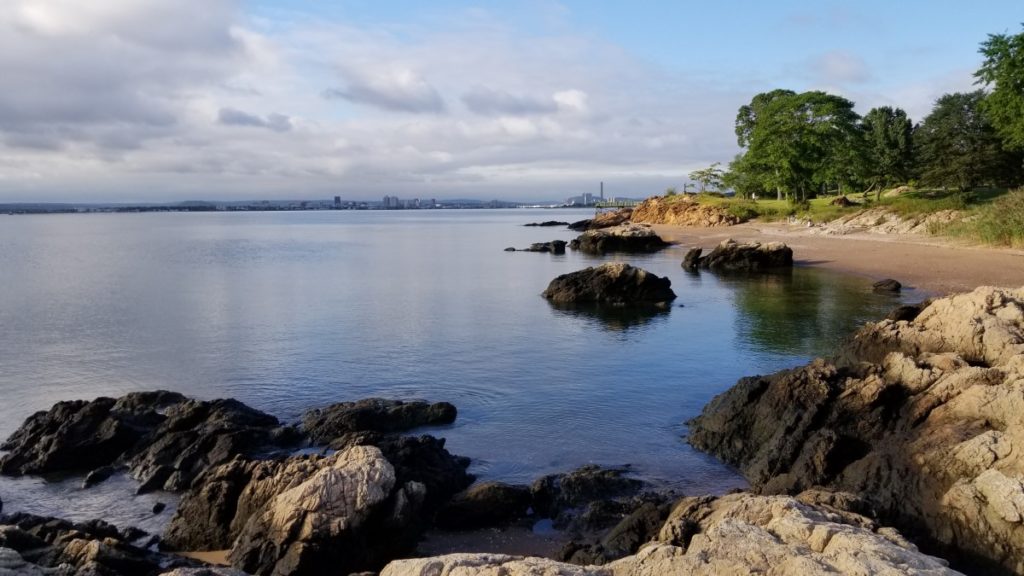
{"x": 557, "y": 492}
{"x": 580, "y": 225}
{"x": 731, "y": 256}
{"x": 616, "y": 284}
{"x": 81, "y": 435}
{"x": 554, "y": 247}
{"x": 159, "y": 507}
{"x": 92, "y": 548}
{"x": 547, "y": 223}
{"x": 691, "y": 261}
{"x": 97, "y": 476}
{"x": 165, "y": 439}
{"x": 842, "y": 201}
{"x": 887, "y": 285}
{"x": 636, "y": 529}
{"x": 373, "y": 415}
{"x": 485, "y": 505}
{"x": 904, "y": 313}
{"x": 633, "y": 238}
{"x": 510, "y": 249}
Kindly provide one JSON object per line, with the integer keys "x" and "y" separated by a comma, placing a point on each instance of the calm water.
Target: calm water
{"x": 288, "y": 311}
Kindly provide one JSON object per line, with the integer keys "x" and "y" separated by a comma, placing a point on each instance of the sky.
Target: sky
{"x": 168, "y": 100}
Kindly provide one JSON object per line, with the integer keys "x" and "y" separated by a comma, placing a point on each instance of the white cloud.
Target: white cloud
{"x": 389, "y": 87}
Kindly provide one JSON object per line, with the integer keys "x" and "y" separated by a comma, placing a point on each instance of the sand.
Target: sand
{"x": 933, "y": 266}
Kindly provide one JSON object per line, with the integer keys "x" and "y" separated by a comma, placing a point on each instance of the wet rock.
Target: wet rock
{"x": 101, "y": 474}
{"x": 510, "y": 249}
{"x": 615, "y": 284}
{"x": 732, "y": 256}
{"x": 55, "y": 546}
{"x": 624, "y": 238}
{"x": 373, "y": 415}
{"x": 887, "y": 285}
{"x": 904, "y": 313}
{"x": 159, "y": 507}
{"x": 639, "y": 527}
{"x": 163, "y": 438}
{"x": 555, "y": 493}
{"x": 554, "y": 247}
{"x": 485, "y": 505}
{"x": 580, "y": 225}
{"x": 691, "y": 261}
{"x": 547, "y": 223}
{"x": 923, "y": 420}
{"x": 81, "y": 435}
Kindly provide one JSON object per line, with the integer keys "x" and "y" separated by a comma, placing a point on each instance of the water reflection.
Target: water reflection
{"x": 613, "y": 318}
{"x": 802, "y": 311}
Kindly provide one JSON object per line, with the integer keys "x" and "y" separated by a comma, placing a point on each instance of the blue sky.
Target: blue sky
{"x": 127, "y": 100}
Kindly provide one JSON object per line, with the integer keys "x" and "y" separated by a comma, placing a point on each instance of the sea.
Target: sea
{"x": 287, "y": 311}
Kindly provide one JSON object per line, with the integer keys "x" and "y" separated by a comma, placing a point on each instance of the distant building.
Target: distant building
{"x": 337, "y": 202}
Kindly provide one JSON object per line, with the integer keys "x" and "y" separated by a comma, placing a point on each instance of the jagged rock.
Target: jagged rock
{"x": 604, "y": 220}
{"x": 905, "y": 313}
{"x": 55, "y": 546}
{"x": 636, "y": 529}
{"x": 555, "y": 493}
{"x": 887, "y": 285}
{"x": 12, "y": 564}
{"x": 922, "y": 419}
{"x": 581, "y": 225}
{"x": 165, "y": 439}
{"x": 321, "y": 520}
{"x": 623, "y": 238}
{"x": 731, "y": 256}
{"x": 97, "y": 476}
{"x": 683, "y": 210}
{"x": 547, "y": 223}
{"x": 616, "y": 284}
{"x": 373, "y": 415}
{"x": 736, "y": 534}
{"x": 81, "y": 435}
{"x": 485, "y": 505}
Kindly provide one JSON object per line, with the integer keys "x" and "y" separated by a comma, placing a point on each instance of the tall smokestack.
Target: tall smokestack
{"x": 602, "y": 190}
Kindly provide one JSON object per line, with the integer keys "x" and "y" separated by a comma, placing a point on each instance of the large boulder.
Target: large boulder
{"x": 616, "y": 284}
{"x": 623, "y": 238}
{"x": 923, "y": 419}
{"x": 732, "y": 256}
{"x": 554, "y": 247}
{"x": 735, "y": 534}
{"x": 322, "y": 425}
{"x": 604, "y": 220}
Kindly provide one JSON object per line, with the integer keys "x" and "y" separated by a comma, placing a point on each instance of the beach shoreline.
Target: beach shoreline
{"x": 933, "y": 265}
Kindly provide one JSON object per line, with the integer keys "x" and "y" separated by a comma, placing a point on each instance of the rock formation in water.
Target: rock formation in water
{"x": 547, "y": 223}
{"x": 735, "y": 534}
{"x": 163, "y": 438}
{"x": 732, "y": 256}
{"x": 922, "y": 418}
{"x": 682, "y": 210}
{"x": 887, "y": 285}
{"x": 615, "y": 284}
{"x": 31, "y": 545}
{"x": 322, "y": 425}
{"x": 603, "y": 220}
{"x": 554, "y": 247}
{"x": 624, "y": 238}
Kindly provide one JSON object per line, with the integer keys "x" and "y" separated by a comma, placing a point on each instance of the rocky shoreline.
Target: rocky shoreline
{"x": 915, "y": 425}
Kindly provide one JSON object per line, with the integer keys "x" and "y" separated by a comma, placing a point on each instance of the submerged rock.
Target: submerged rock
{"x": 887, "y": 285}
{"x": 616, "y": 284}
{"x": 624, "y": 238}
{"x": 922, "y": 419}
{"x": 554, "y": 247}
{"x": 322, "y": 425}
{"x": 735, "y": 534}
{"x": 547, "y": 223}
{"x": 732, "y": 256}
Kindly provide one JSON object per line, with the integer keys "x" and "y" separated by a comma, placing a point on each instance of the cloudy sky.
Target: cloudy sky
{"x": 163, "y": 100}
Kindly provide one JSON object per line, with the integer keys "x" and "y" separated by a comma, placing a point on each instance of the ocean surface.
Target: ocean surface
{"x": 287, "y": 311}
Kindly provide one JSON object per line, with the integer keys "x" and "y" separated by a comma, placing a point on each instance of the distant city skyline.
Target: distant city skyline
{"x": 171, "y": 100}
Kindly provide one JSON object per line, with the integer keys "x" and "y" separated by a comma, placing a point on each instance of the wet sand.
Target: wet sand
{"x": 935, "y": 266}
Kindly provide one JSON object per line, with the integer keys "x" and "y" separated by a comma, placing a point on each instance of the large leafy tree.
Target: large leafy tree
{"x": 889, "y": 145}
{"x": 708, "y": 177}
{"x": 958, "y": 146}
{"x": 797, "y": 143}
{"x": 1003, "y": 72}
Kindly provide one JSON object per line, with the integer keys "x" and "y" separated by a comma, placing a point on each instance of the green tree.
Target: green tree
{"x": 742, "y": 179}
{"x": 957, "y": 146}
{"x": 797, "y": 143}
{"x": 1003, "y": 72}
{"x": 889, "y": 146}
{"x": 708, "y": 177}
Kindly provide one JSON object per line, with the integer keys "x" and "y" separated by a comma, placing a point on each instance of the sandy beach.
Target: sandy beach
{"x": 935, "y": 266}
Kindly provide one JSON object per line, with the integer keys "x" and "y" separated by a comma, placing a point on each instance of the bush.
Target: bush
{"x": 1001, "y": 222}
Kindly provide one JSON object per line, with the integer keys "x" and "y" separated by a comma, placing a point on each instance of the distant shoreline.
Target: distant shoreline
{"x": 935, "y": 266}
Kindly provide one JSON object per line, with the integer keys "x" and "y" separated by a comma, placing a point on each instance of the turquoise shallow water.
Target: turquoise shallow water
{"x": 288, "y": 311}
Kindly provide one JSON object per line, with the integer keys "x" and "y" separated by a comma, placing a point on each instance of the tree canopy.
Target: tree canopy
{"x": 889, "y": 145}
{"x": 708, "y": 177}
{"x": 1003, "y": 71}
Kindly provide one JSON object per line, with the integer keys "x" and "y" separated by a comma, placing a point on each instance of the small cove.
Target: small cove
{"x": 290, "y": 311}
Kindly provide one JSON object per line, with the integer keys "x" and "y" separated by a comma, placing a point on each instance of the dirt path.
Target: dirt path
{"x": 933, "y": 265}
